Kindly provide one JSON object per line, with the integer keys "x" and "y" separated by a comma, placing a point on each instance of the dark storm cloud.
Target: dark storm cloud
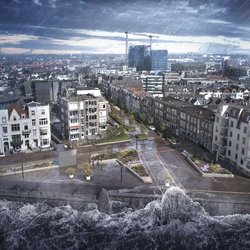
{"x": 62, "y": 19}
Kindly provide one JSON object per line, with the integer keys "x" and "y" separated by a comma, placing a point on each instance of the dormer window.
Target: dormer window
{"x": 14, "y": 118}
{"x": 23, "y": 115}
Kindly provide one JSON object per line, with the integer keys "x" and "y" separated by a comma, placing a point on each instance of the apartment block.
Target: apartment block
{"x": 185, "y": 120}
{"x": 24, "y": 129}
{"x": 153, "y": 84}
{"x": 83, "y": 117}
{"x": 231, "y": 137}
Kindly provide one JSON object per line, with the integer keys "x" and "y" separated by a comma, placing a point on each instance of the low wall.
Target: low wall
{"x": 53, "y": 199}
{"x": 131, "y": 171}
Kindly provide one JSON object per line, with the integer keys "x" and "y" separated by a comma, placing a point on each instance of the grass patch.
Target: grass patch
{"x": 216, "y": 168}
{"x": 140, "y": 170}
{"x": 141, "y": 137}
{"x": 130, "y": 128}
{"x": 114, "y": 138}
{"x": 213, "y": 168}
{"x": 123, "y": 156}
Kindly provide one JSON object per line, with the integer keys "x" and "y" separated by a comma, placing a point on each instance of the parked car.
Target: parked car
{"x": 151, "y": 128}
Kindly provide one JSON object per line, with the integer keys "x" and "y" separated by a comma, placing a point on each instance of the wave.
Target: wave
{"x": 175, "y": 222}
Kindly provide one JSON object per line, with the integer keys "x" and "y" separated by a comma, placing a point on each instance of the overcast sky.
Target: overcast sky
{"x": 96, "y": 26}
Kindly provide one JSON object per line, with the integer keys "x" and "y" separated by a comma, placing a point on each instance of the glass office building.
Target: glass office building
{"x": 159, "y": 60}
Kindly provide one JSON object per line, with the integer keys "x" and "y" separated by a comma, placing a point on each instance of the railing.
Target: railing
{"x": 26, "y": 131}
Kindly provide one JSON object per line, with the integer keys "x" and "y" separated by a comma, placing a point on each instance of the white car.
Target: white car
{"x": 151, "y": 128}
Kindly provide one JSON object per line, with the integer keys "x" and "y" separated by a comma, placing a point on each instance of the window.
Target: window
{"x": 5, "y": 130}
{"x": 14, "y": 118}
{"x": 43, "y": 121}
{"x": 236, "y": 156}
{"x": 103, "y": 106}
{"x": 243, "y": 151}
{"x": 26, "y": 127}
{"x": 33, "y": 122}
{"x": 45, "y": 142}
{"x": 16, "y": 139}
{"x": 229, "y": 143}
{"x": 4, "y": 119}
{"x": 33, "y": 112}
{"x": 241, "y": 162}
{"x": 43, "y": 132}
{"x": 245, "y": 130}
{"x": 231, "y": 124}
{"x": 43, "y": 112}
{"x": 243, "y": 140}
{"x": 34, "y": 132}
{"x": 15, "y": 127}
{"x": 26, "y": 135}
{"x": 230, "y": 133}
{"x": 238, "y": 136}
{"x": 237, "y": 146}
{"x": 229, "y": 152}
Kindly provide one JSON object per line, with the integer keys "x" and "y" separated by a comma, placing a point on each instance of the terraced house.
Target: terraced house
{"x": 231, "y": 139}
{"x": 25, "y": 128}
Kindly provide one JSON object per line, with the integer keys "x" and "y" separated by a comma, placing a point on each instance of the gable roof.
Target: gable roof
{"x": 17, "y": 108}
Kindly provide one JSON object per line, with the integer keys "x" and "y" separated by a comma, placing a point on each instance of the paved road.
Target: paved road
{"x": 160, "y": 160}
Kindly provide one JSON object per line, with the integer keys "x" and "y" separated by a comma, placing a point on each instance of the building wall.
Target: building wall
{"x": 31, "y": 130}
{"x": 3, "y": 129}
{"x": 159, "y": 60}
{"x": 83, "y": 118}
{"x": 153, "y": 84}
{"x": 232, "y": 136}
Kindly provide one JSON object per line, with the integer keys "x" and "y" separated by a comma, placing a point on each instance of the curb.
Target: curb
{"x": 29, "y": 170}
{"x": 115, "y": 142}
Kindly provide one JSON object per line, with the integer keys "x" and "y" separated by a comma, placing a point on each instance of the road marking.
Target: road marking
{"x": 174, "y": 177}
{"x": 144, "y": 162}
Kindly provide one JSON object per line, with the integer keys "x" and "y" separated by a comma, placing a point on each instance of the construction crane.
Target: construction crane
{"x": 150, "y": 39}
{"x": 126, "y": 50}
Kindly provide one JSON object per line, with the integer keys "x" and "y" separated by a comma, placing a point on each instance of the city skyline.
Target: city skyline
{"x": 97, "y": 27}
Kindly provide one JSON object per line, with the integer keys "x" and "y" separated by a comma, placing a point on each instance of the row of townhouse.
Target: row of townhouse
{"x": 83, "y": 117}
{"x": 226, "y": 132}
{"x": 24, "y": 129}
{"x": 233, "y": 93}
{"x": 178, "y": 118}
{"x": 231, "y": 136}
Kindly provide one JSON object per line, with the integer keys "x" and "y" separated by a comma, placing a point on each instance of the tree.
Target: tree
{"x": 142, "y": 129}
{"x": 122, "y": 116}
{"x": 88, "y": 169}
{"x": 70, "y": 171}
{"x": 131, "y": 120}
{"x": 161, "y": 127}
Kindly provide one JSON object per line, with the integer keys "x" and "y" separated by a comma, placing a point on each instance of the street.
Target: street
{"x": 159, "y": 158}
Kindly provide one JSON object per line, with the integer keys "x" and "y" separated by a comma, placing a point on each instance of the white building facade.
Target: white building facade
{"x": 83, "y": 117}
{"x": 24, "y": 129}
{"x": 231, "y": 137}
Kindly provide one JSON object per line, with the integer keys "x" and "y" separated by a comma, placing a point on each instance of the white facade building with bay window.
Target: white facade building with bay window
{"x": 24, "y": 129}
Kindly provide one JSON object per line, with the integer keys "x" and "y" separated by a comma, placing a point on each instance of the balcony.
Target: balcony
{"x": 26, "y": 132}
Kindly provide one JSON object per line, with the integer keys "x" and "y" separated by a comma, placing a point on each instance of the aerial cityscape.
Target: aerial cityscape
{"x": 124, "y": 124}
